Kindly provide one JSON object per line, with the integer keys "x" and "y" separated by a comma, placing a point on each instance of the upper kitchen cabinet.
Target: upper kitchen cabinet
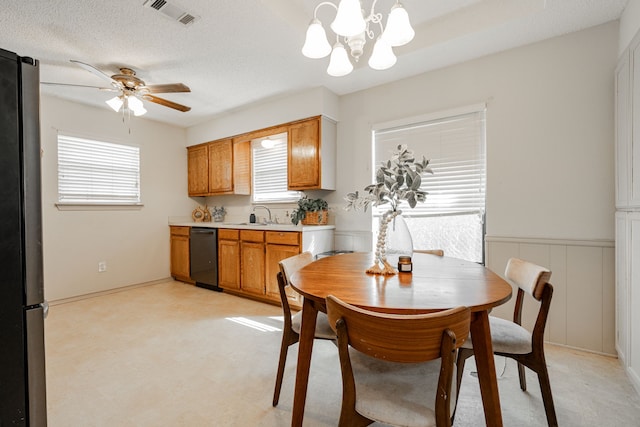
{"x": 198, "y": 169}
{"x": 312, "y": 154}
{"x": 219, "y": 167}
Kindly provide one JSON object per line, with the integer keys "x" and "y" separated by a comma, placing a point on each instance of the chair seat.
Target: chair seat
{"x": 397, "y": 393}
{"x": 507, "y": 337}
{"x": 323, "y": 330}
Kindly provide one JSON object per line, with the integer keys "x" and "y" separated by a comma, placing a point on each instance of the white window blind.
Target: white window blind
{"x": 270, "y": 172}
{"x": 456, "y": 150}
{"x": 97, "y": 172}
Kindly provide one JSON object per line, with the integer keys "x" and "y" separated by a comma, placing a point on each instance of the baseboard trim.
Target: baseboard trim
{"x": 108, "y": 291}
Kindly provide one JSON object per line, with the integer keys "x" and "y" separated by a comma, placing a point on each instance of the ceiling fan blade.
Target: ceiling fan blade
{"x": 168, "y": 88}
{"x": 94, "y": 70}
{"x": 109, "y": 89}
{"x": 167, "y": 103}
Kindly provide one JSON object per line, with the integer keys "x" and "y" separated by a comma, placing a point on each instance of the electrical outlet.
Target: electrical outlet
{"x": 102, "y": 266}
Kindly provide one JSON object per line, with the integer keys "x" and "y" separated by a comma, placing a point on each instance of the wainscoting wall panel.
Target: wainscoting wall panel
{"x": 582, "y": 310}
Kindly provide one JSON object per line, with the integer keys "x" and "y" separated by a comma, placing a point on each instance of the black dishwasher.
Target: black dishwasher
{"x": 203, "y": 247}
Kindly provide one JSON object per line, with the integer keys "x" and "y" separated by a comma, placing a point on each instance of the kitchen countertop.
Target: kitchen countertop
{"x": 256, "y": 226}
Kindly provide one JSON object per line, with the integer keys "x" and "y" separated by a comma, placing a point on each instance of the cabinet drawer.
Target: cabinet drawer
{"x": 228, "y": 234}
{"x": 180, "y": 231}
{"x": 251, "y": 236}
{"x": 283, "y": 237}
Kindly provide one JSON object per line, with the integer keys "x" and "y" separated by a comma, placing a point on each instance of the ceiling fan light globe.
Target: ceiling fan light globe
{"x": 134, "y": 104}
{"x": 398, "y": 31}
{"x": 115, "y": 103}
{"x": 349, "y": 20}
{"x": 339, "y": 64}
{"x": 140, "y": 112}
{"x": 316, "y": 45}
{"x": 382, "y": 56}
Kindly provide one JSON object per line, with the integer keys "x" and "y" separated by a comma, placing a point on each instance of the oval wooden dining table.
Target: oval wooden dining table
{"x": 436, "y": 283}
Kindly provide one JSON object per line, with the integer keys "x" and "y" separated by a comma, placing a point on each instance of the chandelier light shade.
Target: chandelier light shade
{"x": 382, "y": 56}
{"x": 316, "y": 45}
{"x": 339, "y": 64}
{"x": 352, "y": 29}
{"x": 398, "y": 31}
{"x": 349, "y": 21}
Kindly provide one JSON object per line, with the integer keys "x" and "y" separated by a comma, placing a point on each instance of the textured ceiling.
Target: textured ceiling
{"x": 245, "y": 51}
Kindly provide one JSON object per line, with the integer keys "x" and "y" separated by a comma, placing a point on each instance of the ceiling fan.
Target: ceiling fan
{"x": 131, "y": 90}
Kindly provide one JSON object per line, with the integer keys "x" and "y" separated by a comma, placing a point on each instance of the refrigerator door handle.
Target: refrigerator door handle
{"x": 45, "y": 309}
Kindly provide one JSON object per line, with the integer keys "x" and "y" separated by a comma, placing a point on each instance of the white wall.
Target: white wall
{"x": 134, "y": 243}
{"x": 549, "y": 132}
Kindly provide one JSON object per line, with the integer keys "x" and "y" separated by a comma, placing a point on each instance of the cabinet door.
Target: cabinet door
{"x": 304, "y": 155}
{"x": 275, "y": 254}
{"x": 242, "y": 167}
{"x": 229, "y": 264}
{"x": 252, "y": 268}
{"x": 220, "y": 166}
{"x": 180, "y": 255}
{"x": 198, "y": 170}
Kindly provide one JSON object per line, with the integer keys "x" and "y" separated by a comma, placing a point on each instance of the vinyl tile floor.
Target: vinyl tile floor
{"x": 172, "y": 354}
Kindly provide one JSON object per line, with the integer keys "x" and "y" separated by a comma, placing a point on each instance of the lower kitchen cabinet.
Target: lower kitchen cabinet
{"x": 252, "y": 262}
{"x": 280, "y": 245}
{"x": 180, "y": 254}
{"x": 229, "y": 259}
{"x": 248, "y": 261}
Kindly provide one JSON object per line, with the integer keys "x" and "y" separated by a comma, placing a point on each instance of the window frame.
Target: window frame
{"x": 100, "y": 204}
{"x": 286, "y": 196}
{"x": 479, "y": 161}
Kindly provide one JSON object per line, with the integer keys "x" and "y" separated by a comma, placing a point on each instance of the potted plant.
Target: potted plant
{"x": 310, "y": 212}
{"x": 397, "y": 179}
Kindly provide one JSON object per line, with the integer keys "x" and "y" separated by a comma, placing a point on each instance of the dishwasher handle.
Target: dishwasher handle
{"x": 203, "y": 231}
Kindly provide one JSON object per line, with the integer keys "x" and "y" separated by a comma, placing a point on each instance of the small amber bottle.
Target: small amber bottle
{"x": 404, "y": 264}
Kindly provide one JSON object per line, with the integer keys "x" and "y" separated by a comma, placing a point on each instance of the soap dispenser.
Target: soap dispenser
{"x": 252, "y": 218}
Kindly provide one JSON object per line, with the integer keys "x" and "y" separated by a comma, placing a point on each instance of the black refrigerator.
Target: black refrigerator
{"x": 22, "y": 305}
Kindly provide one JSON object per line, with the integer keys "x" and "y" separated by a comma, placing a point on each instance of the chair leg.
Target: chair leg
{"x": 288, "y": 338}
{"x": 522, "y": 376}
{"x": 463, "y": 355}
{"x": 547, "y": 397}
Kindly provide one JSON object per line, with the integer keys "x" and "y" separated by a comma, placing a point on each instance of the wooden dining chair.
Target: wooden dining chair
{"x": 397, "y": 369}
{"x": 438, "y": 252}
{"x": 510, "y": 339}
{"x": 291, "y": 329}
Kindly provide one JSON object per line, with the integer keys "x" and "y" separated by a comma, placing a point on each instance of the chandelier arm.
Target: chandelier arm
{"x": 372, "y": 14}
{"x": 315, "y": 11}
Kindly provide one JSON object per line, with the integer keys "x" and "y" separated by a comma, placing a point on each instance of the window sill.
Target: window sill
{"x": 98, "y": 207}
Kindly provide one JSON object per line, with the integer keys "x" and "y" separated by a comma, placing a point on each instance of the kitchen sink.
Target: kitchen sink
{"x": 259, "y": 224}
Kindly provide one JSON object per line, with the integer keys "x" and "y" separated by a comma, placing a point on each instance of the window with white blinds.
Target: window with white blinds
{"x": 452, "y": 217}
{"x": 97, "y": 172}
{"x": 456, "y": 150}
{"x": 269, "y": 172}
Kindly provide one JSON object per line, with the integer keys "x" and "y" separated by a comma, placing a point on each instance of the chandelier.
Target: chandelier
{"x": 355, "y": 28}
{"x": 128, "y": 102}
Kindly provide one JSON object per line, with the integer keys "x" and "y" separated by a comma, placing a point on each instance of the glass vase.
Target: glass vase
{"x": 398, "y": 240}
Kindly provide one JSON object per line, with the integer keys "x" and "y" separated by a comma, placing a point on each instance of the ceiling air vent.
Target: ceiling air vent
{"x": 171, "y": 11}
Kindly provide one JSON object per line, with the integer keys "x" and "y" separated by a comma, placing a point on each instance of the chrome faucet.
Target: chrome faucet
{"x": 268, "y": 211}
